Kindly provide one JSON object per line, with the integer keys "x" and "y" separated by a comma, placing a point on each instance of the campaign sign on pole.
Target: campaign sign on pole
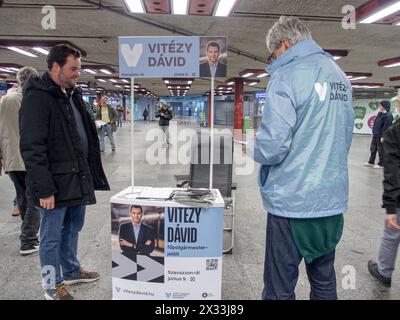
{"x": 165, "y": 250}
{"x": 172, "y": 57}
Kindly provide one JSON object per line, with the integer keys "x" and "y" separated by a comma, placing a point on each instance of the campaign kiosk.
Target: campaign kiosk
{"x": 166, "y": 245}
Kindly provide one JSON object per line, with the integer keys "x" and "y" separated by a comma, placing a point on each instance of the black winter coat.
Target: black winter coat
{"x": 164, "y": 120}
{"x": 51, "y": 148}
{"x": 391, "y": 169}
{"x": 381, "y": 123}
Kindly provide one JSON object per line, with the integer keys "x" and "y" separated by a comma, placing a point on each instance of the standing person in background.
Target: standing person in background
{"x": 383, "y": 120}
{"x": 60, "y": 148}
{"x": 382, "y": 270}
{"x": 13, "y": 164}
{"x": 165, "y": 115}
{"x": 145, "y": 114}
{"x": 108, "y": 115}
{"x": 120, "y": 111}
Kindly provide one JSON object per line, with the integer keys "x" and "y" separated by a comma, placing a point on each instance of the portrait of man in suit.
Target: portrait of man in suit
{"x": 136, "y": 237}
{"x": 213, "y": 67}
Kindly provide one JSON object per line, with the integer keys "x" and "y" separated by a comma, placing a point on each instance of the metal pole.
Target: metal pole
{"x": 212, "y": 133}
{"x": 132, "y": 134}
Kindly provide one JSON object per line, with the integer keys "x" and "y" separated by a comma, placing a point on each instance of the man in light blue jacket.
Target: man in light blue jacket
{"x": 302, "y": 146}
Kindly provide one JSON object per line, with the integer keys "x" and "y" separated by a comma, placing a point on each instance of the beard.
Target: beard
{"x": 67, "y": 82}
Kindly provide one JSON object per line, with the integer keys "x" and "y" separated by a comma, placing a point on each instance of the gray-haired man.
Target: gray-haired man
{"x": 302, "y": 145}
{"x": 13, "y": 164}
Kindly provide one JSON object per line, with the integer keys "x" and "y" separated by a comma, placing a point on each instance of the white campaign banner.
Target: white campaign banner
{"x": 162, "y": 249}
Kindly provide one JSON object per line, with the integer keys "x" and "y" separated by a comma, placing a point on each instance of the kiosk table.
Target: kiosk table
{"x": 162, "y": 249}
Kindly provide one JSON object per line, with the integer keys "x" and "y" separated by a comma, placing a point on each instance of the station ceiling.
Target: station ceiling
{"x": 94, "y": 26}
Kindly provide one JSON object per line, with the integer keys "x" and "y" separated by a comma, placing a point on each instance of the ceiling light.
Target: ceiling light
{"x": 124, "y": 80}
{"x": 135, "y": 6}
{"x": 357, "y": 78}
{"x": 179, "y": 6}
{"x": 397, "y": 64}
{"x": 190, "y": 82}
{"x": 382, "y": 13}
{"x": 248, "y": 74}
{"x": 105, "y": 71}
{"x": 337, "y": 57}
{"x": 252, "y": 83}
{"x": 224, "y": 8}
{"x": 6, "y": 70}
{"x": 262, "y": 75}
{"x": 231, "y": 83}
{"x": 102, "y": 80}
{"x": 90, "y": 71}
{"x": 22, "y": 52}
{"x": 398, "y": 24}
{"x": 41, "y": 50}
{"x": 113, "y": 80}
{"x": 166, "y": 81}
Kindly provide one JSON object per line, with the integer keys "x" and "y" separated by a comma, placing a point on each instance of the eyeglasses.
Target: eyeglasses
{"x": 272, "y": 57}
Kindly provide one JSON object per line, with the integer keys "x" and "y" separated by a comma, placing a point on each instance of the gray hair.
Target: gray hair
{"x": 290, "y": 28}
{"x": 26, "y": 73}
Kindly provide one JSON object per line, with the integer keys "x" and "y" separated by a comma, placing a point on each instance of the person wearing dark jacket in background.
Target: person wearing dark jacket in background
{"x": 165, "y": 116}
{"x": 383, "y": 120}
{"x": 145, "y": 114}
{"x": 60, "y": 149}
{"x": 383, "y": 269}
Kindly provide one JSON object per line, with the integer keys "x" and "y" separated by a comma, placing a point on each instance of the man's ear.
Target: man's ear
{"x": 56, "y": 67}
{"x": 287, "y": 44}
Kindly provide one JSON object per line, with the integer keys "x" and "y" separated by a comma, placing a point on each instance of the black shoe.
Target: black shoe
{"x": 113, "y": 149}
{"x": 373, "y": 270}
{"x": 25, "y": 250}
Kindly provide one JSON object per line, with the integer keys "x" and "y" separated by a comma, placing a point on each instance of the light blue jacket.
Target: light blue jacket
{"x": 305, "y": 135}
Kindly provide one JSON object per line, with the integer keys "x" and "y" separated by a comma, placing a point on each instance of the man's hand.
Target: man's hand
{"x": 47, "y": 203}
{"x": 382, "y": 140}
{"x": 391, "y": 221}
{"x": 148, "y": 242}
{"x": 126, "y": 243}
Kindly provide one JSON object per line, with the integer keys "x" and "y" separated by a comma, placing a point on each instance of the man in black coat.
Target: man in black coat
{"x": 60, "y": 149}
{"x": 383, "y": 120}
{"x": 213, "y": 67}
{"x": 164, "y": 115}
{"x": 135, "y": 237}
{"x": 382, "y": 269}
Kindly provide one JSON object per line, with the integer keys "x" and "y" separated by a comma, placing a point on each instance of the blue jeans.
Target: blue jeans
{"x": 58, "y": 248}
{"x": 102, "y": 133}
{"x": 281, "y": 266}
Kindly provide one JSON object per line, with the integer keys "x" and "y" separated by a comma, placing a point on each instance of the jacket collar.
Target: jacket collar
{"x": 299, "y": 50}
{"x": 56, "y": 88}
